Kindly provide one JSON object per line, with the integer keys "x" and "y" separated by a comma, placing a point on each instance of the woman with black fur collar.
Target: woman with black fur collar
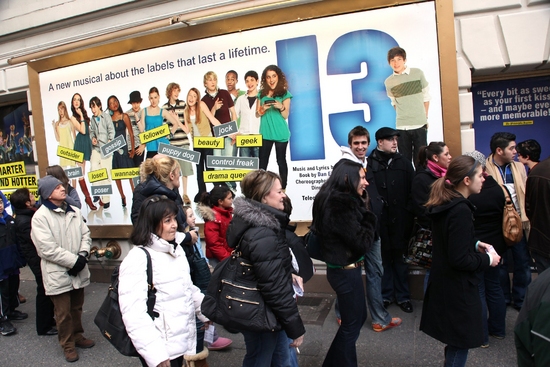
{"x": 345, "y": 226}
{"x": 259, "y": 225}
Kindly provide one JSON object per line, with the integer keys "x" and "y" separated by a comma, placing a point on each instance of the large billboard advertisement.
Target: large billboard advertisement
{"x": 335, "y": 68}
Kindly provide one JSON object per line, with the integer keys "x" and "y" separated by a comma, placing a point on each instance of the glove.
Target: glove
{"x": 78, "y": 266}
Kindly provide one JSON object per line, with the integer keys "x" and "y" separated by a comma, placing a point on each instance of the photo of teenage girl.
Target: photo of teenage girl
{"x": 200, "y": 121}
{"x": 152, "y": 117}
{"x": 274, "y": 108}
{"x": 82, "y": 142}
{"x": 122, "y": 158}
{"x": 64, "y": 132}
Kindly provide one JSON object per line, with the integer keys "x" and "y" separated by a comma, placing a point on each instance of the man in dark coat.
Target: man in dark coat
{"x": 537, "y": 206}
{"x": 393, "y": 175}
{"x": 23, "y": 202}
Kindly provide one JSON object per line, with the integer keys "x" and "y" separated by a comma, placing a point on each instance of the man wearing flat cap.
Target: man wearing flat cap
{"x": 135, "y": 115}
{"x": 62, "y": 241}
{"x": 393, "y": 175}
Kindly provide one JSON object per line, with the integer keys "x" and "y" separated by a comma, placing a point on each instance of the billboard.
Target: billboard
{"x": 335, "y": 68}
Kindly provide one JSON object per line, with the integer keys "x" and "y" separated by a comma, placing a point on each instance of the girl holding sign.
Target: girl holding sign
{"x": 122, "y": 158}
{"x": 64, "y": 132}
{"x": 82, "y": 142}
{"x": 152, "y": 117}
{"x": 273, "y": 109}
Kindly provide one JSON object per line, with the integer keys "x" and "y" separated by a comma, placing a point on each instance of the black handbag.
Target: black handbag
{"x": 109, "y": 318}
{"x": 234, "y": 302}
{"x": 200, "y": 272}
{"x": 420, "y": 249}
{"x": 313, "y": 245}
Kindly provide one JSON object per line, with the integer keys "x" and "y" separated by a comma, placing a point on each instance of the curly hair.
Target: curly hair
{"x": 281, "y": 87}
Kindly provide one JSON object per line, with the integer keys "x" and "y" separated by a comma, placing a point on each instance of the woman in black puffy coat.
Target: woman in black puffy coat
{"x": 345, "y": 227}
{"x": 258, "y": 225}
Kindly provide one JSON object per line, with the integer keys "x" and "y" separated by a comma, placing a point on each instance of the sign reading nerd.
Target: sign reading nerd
{"x": 70, "y": 154}
{"x": 112, "y": 146}
{"x": 12, "y": 169}
{"x": 154, "y": 134}
{"x": 208, "y": 142}
{"x": 244, "y": 141}
{"x": 226, "y": 129}
{"x": 98, "y": 175}
{"x": 179, "y": 153}
{"x": 225, "y": 176}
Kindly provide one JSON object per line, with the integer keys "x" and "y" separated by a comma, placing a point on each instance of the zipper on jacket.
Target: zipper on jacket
{"x": 224, "y": 281}
{"x": 242, "y": 300}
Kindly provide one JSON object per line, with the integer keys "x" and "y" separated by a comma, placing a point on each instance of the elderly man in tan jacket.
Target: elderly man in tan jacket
{"x": 62, "y": 241}
{"x": 512, "y": 175}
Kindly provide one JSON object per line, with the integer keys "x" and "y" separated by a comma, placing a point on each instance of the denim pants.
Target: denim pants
{"x": 374, "y": 272}
{"x": 492, "y": 302}
{"x": 455, "y": 357}
{"x": 266, "y": 349}
{"x": 348, "y": 285}
{"x": 280, "y": 153}
{"x": 522, "y": 273}
{"x": 395, "y": 280}
{"x": 249, "y": 152}
{"x": 228, "y": 151}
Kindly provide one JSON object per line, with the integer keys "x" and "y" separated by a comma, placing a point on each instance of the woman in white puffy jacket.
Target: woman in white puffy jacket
{"x": 170, "y": 338}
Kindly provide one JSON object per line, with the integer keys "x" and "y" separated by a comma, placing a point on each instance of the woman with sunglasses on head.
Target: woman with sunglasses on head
{"x": 345, "y": 228}
{"x": 258, "y": 228}
{"x": 170, "y": 337}
{"x": 451, "y": 311}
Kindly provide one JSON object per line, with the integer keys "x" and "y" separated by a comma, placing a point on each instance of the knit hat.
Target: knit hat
{"x": 478, "y": 156}
{"x": 46, "y": 185}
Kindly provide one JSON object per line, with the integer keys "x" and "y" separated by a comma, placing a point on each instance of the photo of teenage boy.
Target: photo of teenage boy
{"x": 408, "y": 91}
{"x": 179, "y": 138}
{"x": 134, "y": 114}
{"x": 274, "y": 108}
{"x": 102, "y": 131}
{"x": 246, "y": 112}
{"x": 231, "y": 80}
{"x": 220, "y": 103}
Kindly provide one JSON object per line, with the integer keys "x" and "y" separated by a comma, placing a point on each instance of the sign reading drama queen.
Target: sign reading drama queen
{"x": 335, "y": 68}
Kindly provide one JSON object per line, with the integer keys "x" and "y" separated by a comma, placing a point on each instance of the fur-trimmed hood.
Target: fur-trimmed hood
{"x": 249, "y": 213}
{"x": 205, "y": 212}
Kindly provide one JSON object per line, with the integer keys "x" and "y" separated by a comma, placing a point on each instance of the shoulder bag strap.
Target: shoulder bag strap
{"x": 507, "y": 195}
{"x": 151, "y": 297}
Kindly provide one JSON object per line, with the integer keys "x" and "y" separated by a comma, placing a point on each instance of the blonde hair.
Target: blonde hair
{"x": 209, "y": 75}
{"x": 256, "y": 185}
{"x": 64, "y": 107}
{"x": 160, "y": 166}
{"x": 170, "y": 87}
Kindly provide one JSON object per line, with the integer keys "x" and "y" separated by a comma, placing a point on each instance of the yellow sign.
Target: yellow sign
{"x": 12, "y": 169}
{"x": 70, "y": 154}
{"x": 517, "y": 123}
{"x": 98, "y": 175}
{"x": 225, "y": 175}
{"x": 123, "y": 173}
{"x": 249, "y": 141}
{"x": 208, "y": 142}
{"x": 18, "y": 182}
{"x": 154, "y": 134}
{"x": 8, "y": 193}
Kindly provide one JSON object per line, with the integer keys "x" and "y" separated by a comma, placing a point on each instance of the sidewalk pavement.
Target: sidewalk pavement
{"x": 402, "y": 346}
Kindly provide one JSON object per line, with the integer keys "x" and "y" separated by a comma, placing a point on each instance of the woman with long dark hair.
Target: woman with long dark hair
{"x": 452, "y": 307}
{"x": 274, "y": 108}
{"x": 82, "y": 142}
{"x": 170, "y": 337}
{"x": 258, "y": 227}
{"x": 345, "y": 227}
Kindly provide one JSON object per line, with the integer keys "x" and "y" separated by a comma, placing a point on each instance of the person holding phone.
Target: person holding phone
{"x": 273, "y": 110}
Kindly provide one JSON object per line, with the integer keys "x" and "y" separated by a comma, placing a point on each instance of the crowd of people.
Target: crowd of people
{"x": 363, "y": 217}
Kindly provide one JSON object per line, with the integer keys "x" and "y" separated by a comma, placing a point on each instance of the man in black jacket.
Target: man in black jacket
{"x": 393, "y": 175}
{"x": 23, "y": 202}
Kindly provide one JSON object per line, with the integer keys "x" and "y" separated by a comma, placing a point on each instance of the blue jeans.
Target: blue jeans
{"x": 228, "y": 151}
{"x": 395, "y": 280}
{"x": 249, "y": 152}
{"x": 374, "y": 273}
{"x": 348, "y": 285}
{"x": 492, "y": 302}
{"x": 522, "y": 273}
{"x": 265, "y": 349}
{"x": 455, "y": 357}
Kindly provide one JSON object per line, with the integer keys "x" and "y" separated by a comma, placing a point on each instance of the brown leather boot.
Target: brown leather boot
{"x": 86, "y": 193}
{"x": 197, "y": 360}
